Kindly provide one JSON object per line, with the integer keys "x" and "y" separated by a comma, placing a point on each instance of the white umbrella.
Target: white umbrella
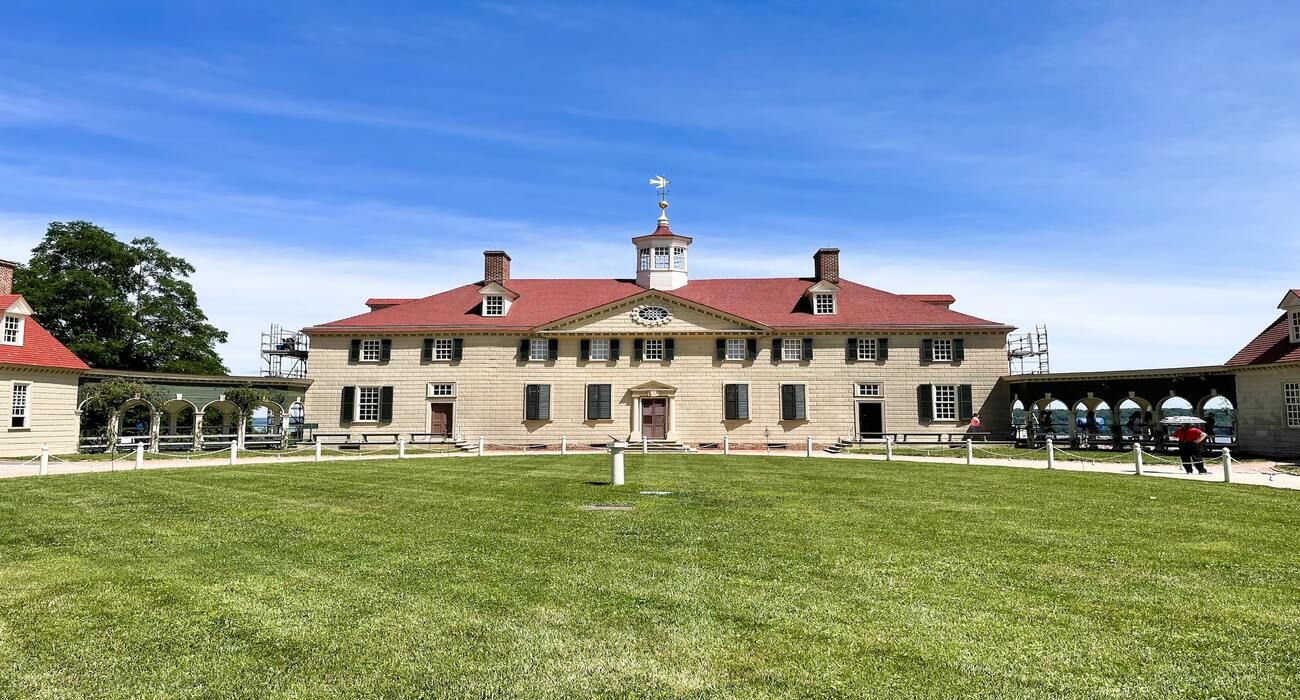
{"x": 1181, "y": 420}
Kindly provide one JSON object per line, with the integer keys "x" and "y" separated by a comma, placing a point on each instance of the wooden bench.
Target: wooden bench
{"x": 380, "y": 438}
{"x": 431, "y": 438}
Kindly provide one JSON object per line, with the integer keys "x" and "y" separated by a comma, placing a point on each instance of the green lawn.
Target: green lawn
{"x": 757, "y": 577}
{"x": 1063, "y": 453}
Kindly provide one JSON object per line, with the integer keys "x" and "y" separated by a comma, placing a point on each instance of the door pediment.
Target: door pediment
{"x": 652, "y": 389}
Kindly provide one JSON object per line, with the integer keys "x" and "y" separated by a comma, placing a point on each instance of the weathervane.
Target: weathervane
{"x": 661, "y": 183}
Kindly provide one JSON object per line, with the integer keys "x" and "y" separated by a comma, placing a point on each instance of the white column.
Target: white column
{"x": 139, "y": 455}
{"x": 645, "y": 446}
{"x": 970, "y": 451}
{"x": 401, "y": 449}
{"x": 616, "y": 449}
{"x": 1137, "y": 457}
{"x": 480, "y": 445}
{"x": 808, "y": 450}
{"x": 234, "y": 451}
{"x": 726, "y": 444}
{"x": 317, "y": 449}
{"x": 1227, "y": 466}
{"x": 45, "y": 460}
{"x": 1051, "y": 454}
{"x": 889, "y": 448}
{"x": 564, "y": 445}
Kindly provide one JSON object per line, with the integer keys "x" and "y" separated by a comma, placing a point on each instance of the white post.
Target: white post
{"x": 1051, "y": 454}
{"x": 564, "y": 445}
{"x": 1137, "y": 457}
{"x": 317, "y": 449}
{"x": 234, "y": 452}
{"x": 645, "y": 446}
{"x": 970, "y": 451}
{"x": 616, "y": 462}
{"x": 480, "y": 445}
{"x": 139, "y": 455}
{"x": 889, "y": 448}
{"x": 45, "y": 460}
{"x": 1227, "y": 466}
{"x": 401, "y": 449}
{"x": 808, "y": 450}
{"x": 726, "y": 444}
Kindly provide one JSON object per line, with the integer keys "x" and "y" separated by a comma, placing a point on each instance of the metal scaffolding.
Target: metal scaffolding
{"x": 284, "y": 353}
{"x": 1027, "y": 353}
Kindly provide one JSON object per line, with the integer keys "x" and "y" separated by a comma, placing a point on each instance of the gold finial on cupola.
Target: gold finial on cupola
{"x": 661, "y": 183}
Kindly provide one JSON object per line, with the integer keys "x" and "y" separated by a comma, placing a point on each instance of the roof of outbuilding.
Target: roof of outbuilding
{"x": 773, "y": 302}
{"x": 39, "y": 348}
{"x": 1271, "y": 346}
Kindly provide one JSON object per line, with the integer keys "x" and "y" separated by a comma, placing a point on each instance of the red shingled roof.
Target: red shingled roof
{"x": 39, "y": 348}
{"x": 772, "y": 302}
{"x": 1272, "y": 346}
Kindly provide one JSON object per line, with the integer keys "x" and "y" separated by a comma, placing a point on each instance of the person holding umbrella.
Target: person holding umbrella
{"x": 1189, "y": 439}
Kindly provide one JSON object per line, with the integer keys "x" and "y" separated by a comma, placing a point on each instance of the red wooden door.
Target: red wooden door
{"x": 440, "y": 418}
{"x": 654, "y": 418}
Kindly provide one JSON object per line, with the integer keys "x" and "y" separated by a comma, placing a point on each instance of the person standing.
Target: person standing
{"x": 1189, "y": 439}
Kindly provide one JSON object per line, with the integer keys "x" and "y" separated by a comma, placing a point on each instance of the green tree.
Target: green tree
{"x": 119, "y": 305}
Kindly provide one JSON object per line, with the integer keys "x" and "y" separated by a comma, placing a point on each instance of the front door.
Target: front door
{"x": 871, "y": 419}
{"x": 440, "y": 419}
{"x": 654, "y": 419}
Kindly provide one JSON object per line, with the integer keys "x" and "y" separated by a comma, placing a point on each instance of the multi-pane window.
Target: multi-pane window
{"x": 538, "y": 349}
{"x": 645, "y": 259}
{"x": 945, "y": 402}
{"x": 823, "y": 304}
{"x": 437, "y": 390}
{"x": 661, "y": 257}
{"x": 13, "y": 330}
{"x": 367, "y": 403}
{"x": 791, "y": 349}
{"x": 599, "y": 349}
{"x": 679, "y": 258}
{"x": 442, "y": 349}
{"x": 371, "y": 350}
{"x": 867, "y": 390}
{"x": 1291, "y": 403}
{"x": 653, "y": 349}
{"x": 867, "y": 349}
{"x": 736, "y": 349}
{"x": 494, "y": 305}
{"x": 1295, "y": 326}
{"x": 19, "y": 410}
{"x": 941, "y": 350}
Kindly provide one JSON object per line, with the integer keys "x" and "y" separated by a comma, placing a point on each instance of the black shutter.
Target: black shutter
{"x": 347, "y": 407}
{"x": 787, "y": 402}
{"x": 552, "y": 349}
{"x": 776, "y": 350}
{"x": 386, "y": 403}
{"x": 721, "y": 349}
{"x": 584, "y": 349}
{"x": 637, "y": 348}
{"x": 426, "y": 353}
{"x": 730, "y": 397}
{"x": 751, "y": 349}
{"x": 458, "y": 349}
{"x": 851, "y": 350}
{"x": 807, "y": 348}
{"x": 354, "y": 350}
{"x": 543, "y": 402}
{"x": 924, "y": 403}
{"x": 800, "y": 403}
{"x": 530, "y": 401}
{"x": 670, "y": 349}
{"x": 606, "y": 401}
{"x": 927, "y": 350}
{"x": 598, "y": 401}
{"x": 385, "y": 349}
{"x": 742, "y": 400}
{"x": 965, "y": 403}
{"x": 959, "y": 349}
{"x": 523, "y": 350}
{"x": 882, "y": 349}
{"x": 613, "y": 349}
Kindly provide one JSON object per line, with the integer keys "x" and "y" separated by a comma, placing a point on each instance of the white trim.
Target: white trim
{"x": 592, "y": 348}
{"x": 740, "y": 356}
{"x": 867, "y": 350}
{"x": 494, "y": 305}
{"x": 378, "y": 404}
{"x": 16, "y": 324}
{"x": 1293, "y": 317}
{"x": 26, "y": 407}
{"x": 818, "y": 298}
{"x": 657, "y": 344}
{"x": 539, "y": 355}
{"x": 934, "y": 402}
{"x": 947, "y": 354}
{"x": 444, "y": 349}
{"x": 858, "y": 386}
{"x": 857, "y": 414}
{"x": 1291, "y": 404}
{"x": 370, "y": 346}
{"x": 791, "y": 349}
{"x": 430, "y": 393}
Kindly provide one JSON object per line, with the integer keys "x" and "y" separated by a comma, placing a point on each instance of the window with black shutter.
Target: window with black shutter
{"x": 927, "y": 350}
{"x": 426, "y": 352}
{"x": 807, "y": 348}
{"x": 776, "y": 350}
{"x": 851, "y": 350}
{"x": 385, "y": 349}
{"x": 751, "y": 349}
{"x": 965, "y": 403}
{"x": 347, "y": 406}
{"x": 958, "y": 349}
{"x": 925, "y": 402}
{"x": 882, "y": 349}
{"x": 457, "y": 349}
{"x": 670, "y": 349}
{"x": 584, "y": 349}
{"x": 613, "y": 348}
{"x": 552, "y": 349}
{"x": 386, "y": 404}
{"x": 793, "y": 403}
{"x": 638, "y": 348}
{"x": 599, "y": 399}
{"x": 537, "y": 402}
{"x": 523, "y": 350}
{"x": 720, "y": 349}
{"x": 354, "y": 350}
{"x": 736, "y": 402}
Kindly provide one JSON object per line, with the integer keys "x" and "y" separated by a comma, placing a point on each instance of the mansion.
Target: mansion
{"x": 659, "y": 356}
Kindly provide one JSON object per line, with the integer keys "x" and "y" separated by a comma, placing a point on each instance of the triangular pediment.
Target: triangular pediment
{"x": 823, "y": 287}
{"x": 1291, "y": 300}
{"x": 496, "y": 288}
{"x": 640, "y": 315}
{"x": 653, "y": 387}
{"x": 20, "y": 307}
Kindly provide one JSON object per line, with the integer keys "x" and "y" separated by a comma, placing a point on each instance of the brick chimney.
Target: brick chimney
{"x": 7, "y": 276}
{"x": 496, "y": 267}
{"x": 826, "y": 265}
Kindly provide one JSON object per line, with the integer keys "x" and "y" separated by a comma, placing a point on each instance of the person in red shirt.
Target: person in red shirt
{"x": 1189, "y": 439}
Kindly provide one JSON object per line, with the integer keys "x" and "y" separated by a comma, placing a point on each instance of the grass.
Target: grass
{"x": 299, "y": 452}
{"x": 757, "y": 577}
{"x": 1063, "y": 453}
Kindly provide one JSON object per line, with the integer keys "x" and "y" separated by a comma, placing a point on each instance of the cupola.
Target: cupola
{"x": 661, "y": 255}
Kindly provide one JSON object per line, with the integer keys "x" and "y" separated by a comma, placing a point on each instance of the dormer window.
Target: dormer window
{"x": 12, "y": 332}
{"x": 494, "y": 305}
{"x": 1295, "y": 325}
{"x": 823, "y": 304}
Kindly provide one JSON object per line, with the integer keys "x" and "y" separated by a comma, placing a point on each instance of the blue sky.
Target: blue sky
{"x": 1127, "y": 173}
